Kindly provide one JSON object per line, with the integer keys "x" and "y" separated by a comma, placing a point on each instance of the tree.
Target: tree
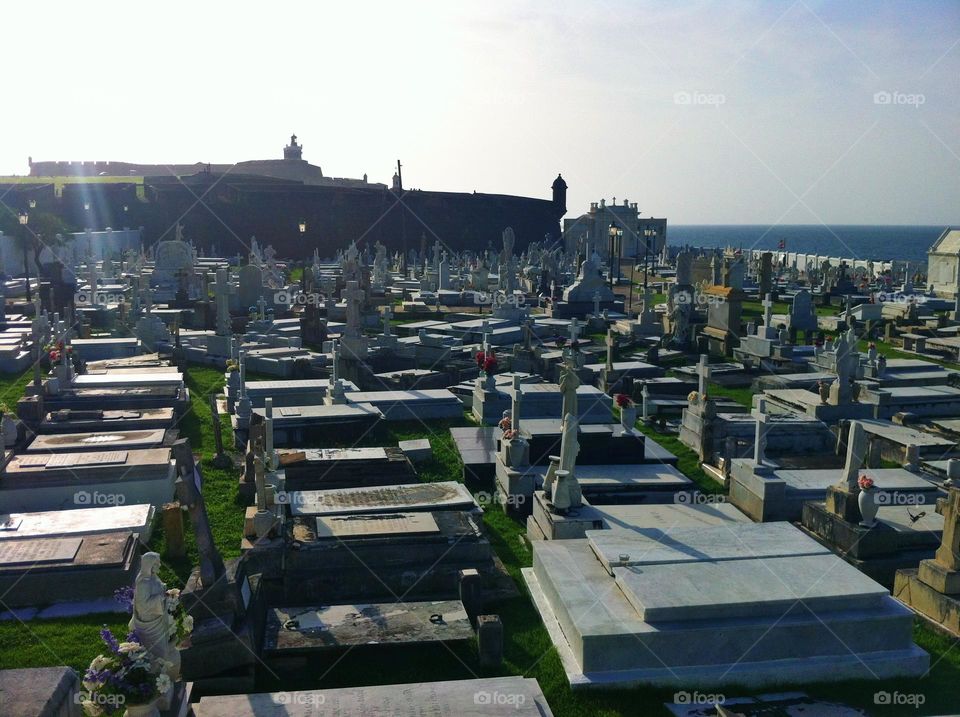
{"x": 43, "y": 229}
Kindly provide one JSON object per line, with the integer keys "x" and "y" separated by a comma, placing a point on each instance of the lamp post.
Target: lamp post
{"x": 24, "y": 219}
{"x": 616, "y": 239}
{"x": 303, "y": 226}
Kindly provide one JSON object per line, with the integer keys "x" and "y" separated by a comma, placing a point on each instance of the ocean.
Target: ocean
{"x": 883, "y": 243}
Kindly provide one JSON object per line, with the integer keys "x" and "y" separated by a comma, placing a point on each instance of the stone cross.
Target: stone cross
{"x": 354, "y": 296}
{"x": 856, "y": 450}
{"x": 760, "y": 435}
{"x": 268, "y": 431}
{"x": 387, "y": 315}
{"x": 262, "y": 307}
{"x": 485, "y": 333}
{"x": 767, "y": 310}
{"x": 704, "y": 372}
{"x": 527, "y": 332}
{"x": 646, "y": 403}
{"x": 515, "y": 405}
{"x": 596, "y": 303}
{"x": 569, "y": 382}
{"x": 948, "y": 554}
{"x": 611, "y": 342}
{"x": 335, "y": 350}
{"x": 221, "y": 292}
{"x": 574, "y": 329}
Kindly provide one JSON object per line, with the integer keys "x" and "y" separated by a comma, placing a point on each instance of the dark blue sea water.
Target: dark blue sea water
{"x": 908, "y": 243}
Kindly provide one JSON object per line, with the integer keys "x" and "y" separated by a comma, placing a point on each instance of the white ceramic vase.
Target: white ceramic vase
{"x": 867, "y": 500}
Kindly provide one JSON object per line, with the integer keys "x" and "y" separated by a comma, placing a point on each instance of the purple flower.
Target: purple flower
{"x": 124, "y": 596}
{"x": 110, "y": 640}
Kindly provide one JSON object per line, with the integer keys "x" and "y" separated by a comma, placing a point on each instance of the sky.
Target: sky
{"x": 704, "y": 112}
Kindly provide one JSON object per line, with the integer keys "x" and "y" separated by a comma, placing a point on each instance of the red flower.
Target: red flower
{"x": 54, "y": 355}
{"x": 865, "y": 482}
{"x": 623, "y": 400}
{"x": 480, "y": 357}
{"x": 490, "y": 364}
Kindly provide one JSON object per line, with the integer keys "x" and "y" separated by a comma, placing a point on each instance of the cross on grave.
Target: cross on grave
{"x": 335, "y": 350}
{"x": 515, "y": 405}
{"x": 261, "y": 308}
{"x": 645, "y": 393}
{"x": 704, "y": 372}
{"x": 527, "y": 334}
{"x": 574, "y": 329}
{"x": 354, "y": 296}
{"x": 387, "y": 315}
{"x": 760, "y": 435}
{"x": 768, "y": 310}
{"x": 611, "y": 342}
{"x": 596, "y": 303}
{"x": 268, "y": 433}
{"x": 485, "y": 333}
{"x": 948, "y": 554}
{"x": 856, "y": 450}
{"x": 221, "y": 292}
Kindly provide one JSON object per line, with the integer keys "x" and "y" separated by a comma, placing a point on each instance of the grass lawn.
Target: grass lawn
{"x": 527, "y": 651}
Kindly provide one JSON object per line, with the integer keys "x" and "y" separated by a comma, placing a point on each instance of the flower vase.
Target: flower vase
{"x": 628, "y": 416}
{"x": 867, "y": 500}
{"x": 148, "y": 709}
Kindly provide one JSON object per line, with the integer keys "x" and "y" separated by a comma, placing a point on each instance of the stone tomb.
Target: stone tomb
{"x": 299, "y": 425}
{"x": 779, "y": 494}
{"x": 293, "y": 631}
{"x": 543, "y": 400}
{"x": 40, "y": 691}
{"x": 34, "y": 571}
{"x": 116, "y": 440}
{"x": 735, "y": 604}
{"x": 121, "y": 390}
{"x": 410, "y": 405}
{"x": 413, "y": 497}
{"x": 458, "y": 698}
{"x": 377, "y": 556}
{"x": 477, "y": 448}
{"x": 136, "y": 519}
{"x": 327, "y": 468}
{"x": 43, "y": 481}
{"x": 100, "y": 421}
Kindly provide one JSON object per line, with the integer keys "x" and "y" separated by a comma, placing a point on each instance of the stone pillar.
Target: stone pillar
{"x": 471, "y": 592}
{"x": 173, "y": 530}
{"x": 490, "y": 640}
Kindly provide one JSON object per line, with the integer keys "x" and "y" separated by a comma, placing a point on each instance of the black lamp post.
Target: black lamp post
{"x": 24, "y": 219}
{"x": 616, "y": 240}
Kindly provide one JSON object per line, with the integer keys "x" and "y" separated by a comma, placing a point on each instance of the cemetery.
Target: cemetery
{"x": 506, "y": 481}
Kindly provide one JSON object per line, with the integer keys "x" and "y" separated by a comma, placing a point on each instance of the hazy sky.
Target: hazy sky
{"x": 726, "y": 112}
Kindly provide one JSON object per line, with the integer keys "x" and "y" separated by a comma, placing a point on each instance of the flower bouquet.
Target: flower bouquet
{"x": 865, "y": 482}
{"x": 623, "y": 400}
{"x": 123, "y": 680}
{"x": 181, "y": 619}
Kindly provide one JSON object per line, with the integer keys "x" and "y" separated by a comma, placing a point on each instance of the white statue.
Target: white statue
{"x": 152, "y": 620}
